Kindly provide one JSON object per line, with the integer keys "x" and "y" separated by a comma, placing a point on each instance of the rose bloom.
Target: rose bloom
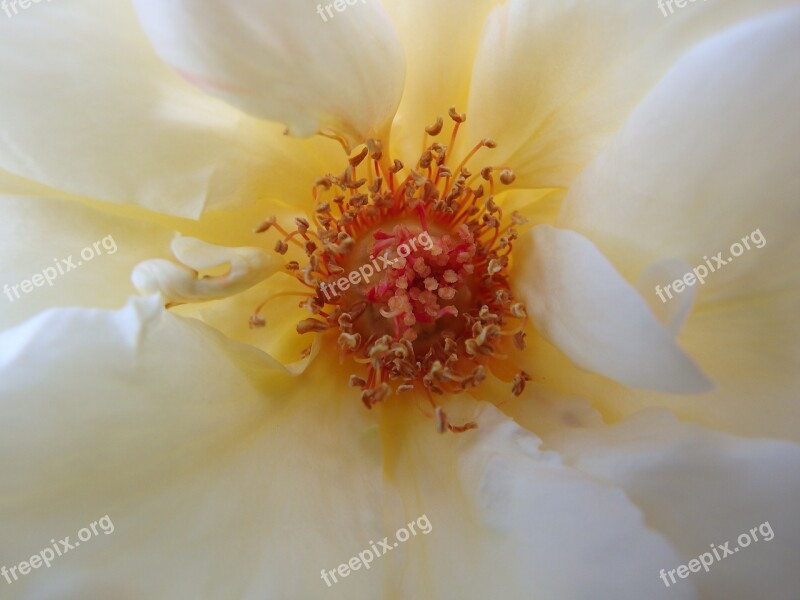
{"x": 401, "y": 262}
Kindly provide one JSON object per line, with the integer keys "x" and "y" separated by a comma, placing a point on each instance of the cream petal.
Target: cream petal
{"x": 579, "y": 301}
{"x": 285, "y": 61}
{"x": 220, "y": 482}
{"x": 509, "y": 520}
{"x": 133, "y": 131}
{"x": 570, "y": 73}
{"x": 699, "y": 487}
{"x": 688, "y": 179}
{"x": 709, "y": 158}
{"x": 78, "y": 256}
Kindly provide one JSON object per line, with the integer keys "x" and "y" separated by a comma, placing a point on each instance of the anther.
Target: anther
{"x": 265, "y": 225}
{"x": 375, "y": 148}
{"x": 436, "y": 128}
{"x": 518, "y": 384}
{"x": 507, "y": 177}
{"x": 358, "y": 158}
{"x": 371, "y": 397}
{"x": 458, "y": 118}
{"x": 356, "y": 381}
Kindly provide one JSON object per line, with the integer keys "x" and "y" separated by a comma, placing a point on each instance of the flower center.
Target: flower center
{"x": 408, "y": 272}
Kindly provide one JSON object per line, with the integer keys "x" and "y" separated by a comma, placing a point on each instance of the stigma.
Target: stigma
{"x": 407, "y": 273}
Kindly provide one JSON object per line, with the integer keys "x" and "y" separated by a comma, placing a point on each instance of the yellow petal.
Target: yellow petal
{"x": 440, "y": 40}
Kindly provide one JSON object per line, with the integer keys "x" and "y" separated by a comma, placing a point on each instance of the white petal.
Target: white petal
{"x": 710, "y": 157}
{"x": 87, "y": 106}
{"x": 215, "y": 488}
{"x": 78, "y": 256}
{"x": 554, "y": 80}
{"x": 579, "y": 301}
{"x": 699, "y": 488}
{"x": 509, "y": 520}
{"x": 286, "y": 62}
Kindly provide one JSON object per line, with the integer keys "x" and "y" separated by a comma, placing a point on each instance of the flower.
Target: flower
{"x": 236, "y": 460}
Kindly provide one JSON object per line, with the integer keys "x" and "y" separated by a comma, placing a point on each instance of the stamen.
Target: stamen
{"x": 432, "y": 312}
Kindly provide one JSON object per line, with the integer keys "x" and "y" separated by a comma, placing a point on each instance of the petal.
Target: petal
{"x": 580, "y": 303}
{"x": 285, "y": 61}
{"x": 215, "y": 488}
{"x": 91, "y": 109}
{"x": 748, "y": 348}
{"x": 671, "y": 313}
{"x": 571, "y": 72}
{"x": 692, "y": 178}
{"x": 181, "y": 282}
{"x": 78, "y": 255}
{"x": 440, "y": 50}
{"x": 509, "y": 520}
{"x": 14, "y": 185}
{"x": 542, "y": 410}
{"x": 277, "y": 301}
{"x": 701, "y": 488}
